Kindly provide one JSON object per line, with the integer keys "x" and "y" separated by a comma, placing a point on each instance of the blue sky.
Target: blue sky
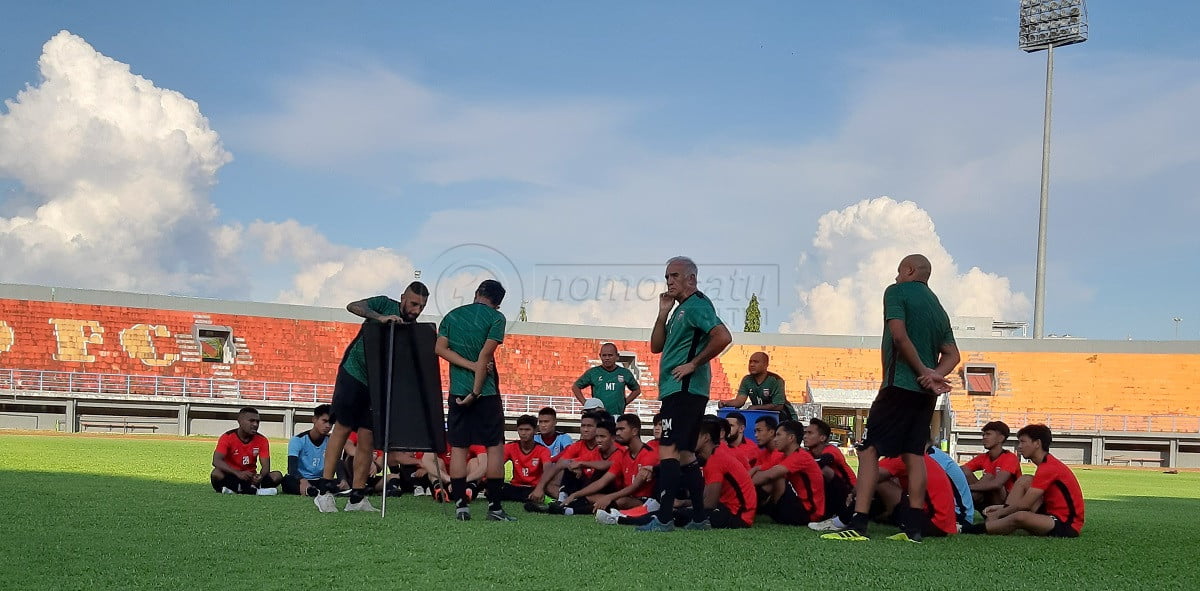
{"x": 610, "y": 137}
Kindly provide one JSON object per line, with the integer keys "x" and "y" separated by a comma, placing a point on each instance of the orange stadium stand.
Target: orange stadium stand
{"x": 797, "y": 365}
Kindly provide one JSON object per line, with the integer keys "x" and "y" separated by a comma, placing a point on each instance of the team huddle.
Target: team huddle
{"x": 698, "y": 471}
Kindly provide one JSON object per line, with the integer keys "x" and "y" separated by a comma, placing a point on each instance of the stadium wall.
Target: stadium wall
{"x": 283, "y": 358}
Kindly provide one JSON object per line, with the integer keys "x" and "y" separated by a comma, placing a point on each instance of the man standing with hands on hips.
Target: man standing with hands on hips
{"x": 687, "y": 340}
{"x": 918, "y": 351}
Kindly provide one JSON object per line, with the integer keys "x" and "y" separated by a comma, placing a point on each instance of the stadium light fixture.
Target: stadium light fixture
{"x": 1046, "y": 24}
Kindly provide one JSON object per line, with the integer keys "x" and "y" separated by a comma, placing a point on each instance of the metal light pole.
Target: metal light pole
{"x": 1177, "y": 321}
{"x": 1046, "y": 24}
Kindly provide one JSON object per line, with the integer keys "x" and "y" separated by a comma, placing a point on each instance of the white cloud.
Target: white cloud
{"x": 115, "y": 173}
{"x": 857, "y": 251}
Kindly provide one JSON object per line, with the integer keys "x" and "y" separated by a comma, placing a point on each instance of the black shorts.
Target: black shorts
{"x": 515, "y": 493}
{"x": 352, "y": 402}
{"x": 681, "y": 414}
{"x": 480, "y": 423}
{"x": 837, "y": 492}
{"x": 1061, "y": 530}
{"x": 788, "y": 510}
{"x": 291, "y": 484}
{"x": 899, "y": 422}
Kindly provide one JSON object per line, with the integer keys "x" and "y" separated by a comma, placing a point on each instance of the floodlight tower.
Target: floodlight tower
{"x": 1046, "y": 24}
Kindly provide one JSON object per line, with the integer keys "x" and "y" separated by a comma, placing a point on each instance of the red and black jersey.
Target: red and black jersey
{"x": 580, "y": 452}
{"x": 939, "y": 491}
{"x": 768, "y": 458}
{"x": 527, "y": 467}
{"x": 805, "y": 476}
{"x": 243, "y": 455}
{"x": 1062, "y": 498}
{"x": 737, "y": 490}
{"x": 747, "y": 452}
{"x": 832, "y": 456}
{"x": 378, "y": 453}
{"x": 625, "y": 467}
{"x": 652, "y": 445}
{"x": 1007, "y": 461}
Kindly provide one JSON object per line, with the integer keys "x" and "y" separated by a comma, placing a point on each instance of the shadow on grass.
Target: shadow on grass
{"x": 86, "y": 532}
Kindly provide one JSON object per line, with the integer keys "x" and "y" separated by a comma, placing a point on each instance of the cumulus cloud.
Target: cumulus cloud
{"x": 857, "y": 250}
{"x": 114, "y": 173}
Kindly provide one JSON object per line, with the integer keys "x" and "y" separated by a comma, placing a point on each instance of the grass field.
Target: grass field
{"x": 92, "y": 512}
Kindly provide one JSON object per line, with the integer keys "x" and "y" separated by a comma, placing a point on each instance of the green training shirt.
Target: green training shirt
{"x": 927, "y": 325}
{"x": 687, "y": 336}
{"x": 467, "y": 328}
{"x": 355, "y": 363}
{"x": 770, "y": 391}
{"x": 609, "y": 386}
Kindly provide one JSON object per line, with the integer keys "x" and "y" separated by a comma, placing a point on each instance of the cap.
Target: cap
{"x": 593, "y": 403}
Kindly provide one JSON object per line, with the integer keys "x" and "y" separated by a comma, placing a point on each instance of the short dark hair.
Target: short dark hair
{"x": 606, "y": 422}
{"x": 657, "y": 418}
{"x": 1037, "y": 433}
{"x": 596, "y": 415}
{"x": 772, "y": 424}
{"x": 527, "y": 420}
{"x": 418, "y": 288}
{"x": 548, "y": 410}
{"x": 492, "y": 290}
{"x": 631, "y": 419}
{"x": 822, "y": 427}
{"x": 793, "y": 427}
{"x": 712, "y": 426}
{"x": 322, "y": 409}
{"x": 737, "y": 416}
{"x": 725, "y": 428}
{"x": 999, "y": 427}
{"x": 248, "y": 410}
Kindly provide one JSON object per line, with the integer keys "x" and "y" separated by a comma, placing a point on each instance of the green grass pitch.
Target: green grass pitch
{"x": 91, "y": 512}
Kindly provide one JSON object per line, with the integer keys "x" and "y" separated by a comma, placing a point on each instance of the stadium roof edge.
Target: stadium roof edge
{"x": 318, "y": 313}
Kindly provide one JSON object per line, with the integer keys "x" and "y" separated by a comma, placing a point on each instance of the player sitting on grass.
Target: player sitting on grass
{"x": 764, "y": 432}
{"x": 937, "y": 517}
{"x": 529, "y": 461}
{"x": 306, "y": 456}
{"x": 738, "y": 443}
{"x": 566, "y": 463}
{"x": 728, "y": 490}
{"x": 1048, "y": 503}
{"x": 964, "y": 506}
{"x": 839, "y": 478}
{"x": 632, "y": 470}
{"x": 586, "y": 481}
{"x": 239, "y": 451}
{"x": 1001, "y": 468}
{"x": 794, "y": 487}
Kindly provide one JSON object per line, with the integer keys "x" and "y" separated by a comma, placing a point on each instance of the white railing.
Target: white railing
{"x": 1093, "y": 423}
{"x": 65, "y": 382}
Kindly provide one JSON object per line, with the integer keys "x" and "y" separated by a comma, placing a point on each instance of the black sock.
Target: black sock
{"x": 494, "y": 487}
{"x": 458, "y": 491}
{"x": 357, "y": 495}
{"x": 914, "y": 522}
{"x": 694, "y": 483}
{"x": 668, "y": 480}
{"x": 974, "y": 528}
{"x": 858, "y": 522}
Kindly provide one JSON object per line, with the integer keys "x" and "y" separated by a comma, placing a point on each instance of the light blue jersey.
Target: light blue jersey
{"x": 561, "y": 442}
{"x": 311, "y": 457}
{"x": 965, "y": 508}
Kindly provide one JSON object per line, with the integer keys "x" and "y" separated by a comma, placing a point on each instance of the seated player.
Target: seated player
{"x": 764, "y": 389}
{"x": 306, "y": 456}
{"x": 583, "y": 490}
{"x": 964, "y": 505}
{"x": 728, "y": 490}
{"x": 529, "y": 460}
{"x": 608, "y": 382}
{"x": 569, "y": 462}
{"x": 239, "y": 451}
{"x": 1001, "y": 468}
{"x": 631, "y": 473}
{"x": 794, "y": 487}
{"x": 839, "y": 478}
{"x": 548, "y": 435}
{"x": 938, "y": 518}
{"x": 1048, "y": 503}
{"x": 653, "y": 443}
{"x": 738, "y": 443}
{"x": 764, "y": 433}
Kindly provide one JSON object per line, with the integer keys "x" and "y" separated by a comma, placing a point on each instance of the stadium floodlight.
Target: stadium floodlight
{"x": 1046, "y": 24}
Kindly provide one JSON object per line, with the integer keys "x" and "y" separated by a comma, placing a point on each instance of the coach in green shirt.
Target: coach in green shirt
{"x": 764, "y": 389}
{"x": 467, "y": 340}
{"x": 608, "y": 382}
{"x": 687, "y": 339}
